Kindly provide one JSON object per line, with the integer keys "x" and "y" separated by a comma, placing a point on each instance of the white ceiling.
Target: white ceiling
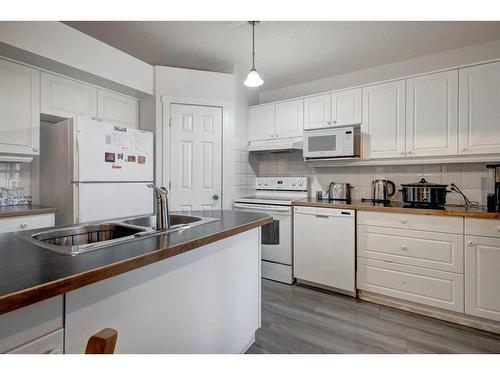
{"x": 286, "y": 52}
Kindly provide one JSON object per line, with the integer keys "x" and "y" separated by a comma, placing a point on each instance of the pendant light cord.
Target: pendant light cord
{"x": 253, "y": 45}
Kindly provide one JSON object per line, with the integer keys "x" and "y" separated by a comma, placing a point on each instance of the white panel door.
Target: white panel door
{"x": 317, "y": 112}
{"x": 118, "y": 109}
{"x": 479, "y": 109}
{"x": 195, "y": 157}
{"x": 289, "y": 119}
{"x": 261, "y": 123}
{"x": 63, "y": 97}
{"x": 432, "y": 115}
{"x": 346, "y": 107}
{"x": 384, "y": 120}
{"x": 482, "y": 277}
{"x": 19, "y": 109}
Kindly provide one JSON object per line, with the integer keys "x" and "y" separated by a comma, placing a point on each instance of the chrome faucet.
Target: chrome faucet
{"x": 162, "y": 214}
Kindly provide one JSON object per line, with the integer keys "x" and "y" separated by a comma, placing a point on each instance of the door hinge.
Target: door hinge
{"x": 170, "y": 185}
{"x": 170, "y": 122}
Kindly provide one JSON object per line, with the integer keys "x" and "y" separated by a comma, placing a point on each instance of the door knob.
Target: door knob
{"x": 215, "y": 197}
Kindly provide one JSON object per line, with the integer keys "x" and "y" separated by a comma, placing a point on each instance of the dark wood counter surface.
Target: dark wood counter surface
{"x": 11, "y": 211}
{"x": 29, "y": 273}
{"x": 478, "y": 212}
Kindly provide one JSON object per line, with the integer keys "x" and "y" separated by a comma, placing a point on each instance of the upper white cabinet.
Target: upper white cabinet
{"x": 261, "y": 122}
{"x": 63, "y": 97}
{"x": 19, "y": 109}
{"x": 346, "y": 107}
{"x": 383, "y": 124}
{"x": 289, "y": 119}
{"x": 479, "y": 116}
{"x": 432, "y": 115}
{"x": 317, "y": 112}
{"x": 116, "y": 108}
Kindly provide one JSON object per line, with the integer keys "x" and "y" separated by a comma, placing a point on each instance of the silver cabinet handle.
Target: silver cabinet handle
{"x": 410, "y": 151}
{"x": 404, "y": 247}
{"x": 470, "y": 243}
{"x": 498, "y": 228}
{"x": 24, "y": 225}
{"x": 404, "y": 221}
{"x": 334, "y": 121}
{"x": 94, "y": 118}
{"x": 402, "y": 153}
{"x": 35, "y": 149}
{"x": 329, "y": 122}
{"x": 276, "y": 135}
{"x": 215, "y": 197}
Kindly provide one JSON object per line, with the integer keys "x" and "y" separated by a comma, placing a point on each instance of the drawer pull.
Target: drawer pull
{"x": 404, "y": 221}
{"x": 24, "y": 225}
{"x": 404, "y": 247}
{"x": 322, "y": 216}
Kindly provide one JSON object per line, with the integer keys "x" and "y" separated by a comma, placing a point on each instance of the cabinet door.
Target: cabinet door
{"x": 63, "y": 97}
{"x": 383, "y": 124}
{"x": 48, "y": 344}
{"x": 432, "y": 115}
{"x": 19, "y": 109}
{"x": 482, "y": 277}
{"x": 346, "y": 107}
{"x": 479, "y": 112}
{"x": 317, "y": 112}
{"x": 118, "y": 109}
{"x": 261, "y": 123}
{"x": 289, "y": 119}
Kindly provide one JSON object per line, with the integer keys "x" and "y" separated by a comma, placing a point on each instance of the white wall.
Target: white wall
{"x": 202, "y": 87}
{"x": 443, "y": 60}
{"x": 55, "y": 46}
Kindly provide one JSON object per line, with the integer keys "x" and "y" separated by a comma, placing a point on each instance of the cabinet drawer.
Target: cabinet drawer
{"x": 411, "y": 221}
{"x": 439, "y": 251}
{"x": 31, "y": 322}
{"x": 48, "y": 344}
{"x": 14, "y": 224}
{"x": 440, "y": 289}
{"x": 482, "y": 227}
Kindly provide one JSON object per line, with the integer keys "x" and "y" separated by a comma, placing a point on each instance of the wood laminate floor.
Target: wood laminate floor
{"x": 302, "y": 320}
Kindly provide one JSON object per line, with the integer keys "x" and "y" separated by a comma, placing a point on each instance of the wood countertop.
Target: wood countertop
{"x": 30, "y": 273}
{"x": 400, "y": 207}
{"x": 23, "y": 210}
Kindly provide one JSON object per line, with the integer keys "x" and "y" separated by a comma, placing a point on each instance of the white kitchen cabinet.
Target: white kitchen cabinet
{"x": 27, "y": 324}
{"x": 261, "y": 123}
{"x": 19, "y": 109}
{"x": 289, "y": 119}
{"x": 383, "y": 125}
{"x": 324, "y": 247}
{"x": 64, "y": 97}
{"x": 17, "y": 223}
{"x": 117, "y": 109}
{"x": 440, "y": 289}
{"x": 432, "y": 115}
{"x": 482, "y": 277}
{"x": 479, "y": 109}
{"x": 346, "y": 107}
{"x": 48, "y": 344}
{"x": 317, "y": 112}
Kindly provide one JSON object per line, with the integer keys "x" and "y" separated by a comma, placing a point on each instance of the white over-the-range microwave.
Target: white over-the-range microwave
{"x": 332, "y": 143}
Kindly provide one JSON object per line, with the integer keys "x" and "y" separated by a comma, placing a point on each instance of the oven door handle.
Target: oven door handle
{"x": 262, "y": 207}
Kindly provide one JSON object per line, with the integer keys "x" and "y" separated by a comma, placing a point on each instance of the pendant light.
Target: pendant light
{"x": 253, "y": 78}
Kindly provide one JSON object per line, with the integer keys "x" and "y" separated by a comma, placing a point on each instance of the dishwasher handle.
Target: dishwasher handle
{"x": 325, "y": 212}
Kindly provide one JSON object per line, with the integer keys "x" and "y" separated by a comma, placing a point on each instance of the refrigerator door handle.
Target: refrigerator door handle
{"x": 76, "y": 174}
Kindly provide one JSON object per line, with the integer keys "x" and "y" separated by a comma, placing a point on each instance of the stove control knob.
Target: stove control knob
{"x": 301, "y": 183}
{"x": 266, "y": 183}
{"x": 293, "y": 183}
{"x": 260, "y": 183}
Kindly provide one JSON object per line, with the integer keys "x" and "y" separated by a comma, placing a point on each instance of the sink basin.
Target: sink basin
{"x": 175, "y": 221}
{"x": 79, "y": 239}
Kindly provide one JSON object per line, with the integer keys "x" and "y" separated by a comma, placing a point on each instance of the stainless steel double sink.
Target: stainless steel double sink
{"x": 78, "y": 239}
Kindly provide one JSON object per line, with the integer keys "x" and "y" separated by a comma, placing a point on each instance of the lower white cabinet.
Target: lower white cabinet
{"x": 482, "y": 276}
{"x": 440, "y": 289}
{"x": 17, "y": 223}
{"x": 53, "y": 343}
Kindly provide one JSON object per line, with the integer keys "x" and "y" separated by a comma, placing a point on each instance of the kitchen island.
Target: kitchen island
{"x": 190, "y": 291}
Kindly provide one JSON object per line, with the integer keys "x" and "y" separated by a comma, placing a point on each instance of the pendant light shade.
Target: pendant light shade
{"x": 253, "y": 78}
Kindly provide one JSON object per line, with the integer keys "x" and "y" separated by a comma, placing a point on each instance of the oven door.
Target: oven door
{"x": 326, "y": 143}
{"x": 276, "y": 236}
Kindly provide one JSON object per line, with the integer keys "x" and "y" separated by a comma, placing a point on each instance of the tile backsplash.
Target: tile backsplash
{"x": 14, "y": 183}
{"x": 469, "y": 177}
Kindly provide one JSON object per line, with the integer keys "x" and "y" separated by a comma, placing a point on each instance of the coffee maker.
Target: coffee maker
{"x": 493, "y": 195}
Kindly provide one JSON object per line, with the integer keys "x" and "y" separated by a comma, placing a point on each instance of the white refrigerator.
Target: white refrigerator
{"x": 91, "y": 170}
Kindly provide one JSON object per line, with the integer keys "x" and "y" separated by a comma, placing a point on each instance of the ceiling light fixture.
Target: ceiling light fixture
{"x": 253, "y": 78}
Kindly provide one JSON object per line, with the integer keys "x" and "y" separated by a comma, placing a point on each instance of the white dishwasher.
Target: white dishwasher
{"x": 324, "y": 248}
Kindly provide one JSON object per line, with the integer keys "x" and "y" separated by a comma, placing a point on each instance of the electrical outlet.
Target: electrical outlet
{"x": 13, "y": 183}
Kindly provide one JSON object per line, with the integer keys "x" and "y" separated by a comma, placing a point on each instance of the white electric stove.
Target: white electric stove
{"x": 274, "y": 196}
